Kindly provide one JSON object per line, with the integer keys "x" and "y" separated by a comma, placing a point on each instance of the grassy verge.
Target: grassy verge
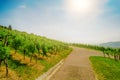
{"x": 20, "y": 69}
{"x": 53, "y": 60}
{"x": 106, "y": 69}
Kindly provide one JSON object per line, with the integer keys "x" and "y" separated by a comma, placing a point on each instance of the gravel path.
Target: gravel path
{"x": 77, "y": 66}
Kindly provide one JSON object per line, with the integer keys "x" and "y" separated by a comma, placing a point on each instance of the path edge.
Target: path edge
{"x": 96, "y": 76}
{"x": 47, "y": 75}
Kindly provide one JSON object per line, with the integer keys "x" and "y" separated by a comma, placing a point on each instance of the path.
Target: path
{"x": 76, "y": 66}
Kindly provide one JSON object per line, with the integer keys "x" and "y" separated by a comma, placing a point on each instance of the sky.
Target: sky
{"x": 77, "y": 21}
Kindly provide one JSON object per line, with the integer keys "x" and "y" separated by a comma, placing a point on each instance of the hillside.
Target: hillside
{"x": 111, "y": 44}
{"x": 26, "y": 56}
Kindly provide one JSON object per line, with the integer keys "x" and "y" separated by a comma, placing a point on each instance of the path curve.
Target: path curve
{"x": 77, "y": 66}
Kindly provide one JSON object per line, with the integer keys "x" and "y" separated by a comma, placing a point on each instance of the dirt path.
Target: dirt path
{"x": 77, "y": 66}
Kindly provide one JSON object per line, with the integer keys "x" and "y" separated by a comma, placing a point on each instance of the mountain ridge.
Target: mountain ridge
{"x": 115, "y": 44}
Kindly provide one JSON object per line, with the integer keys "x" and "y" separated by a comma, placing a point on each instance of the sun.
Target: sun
{"x": 79, "y": 5}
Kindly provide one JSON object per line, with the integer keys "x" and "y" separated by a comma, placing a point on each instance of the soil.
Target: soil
{"x": 77, "y": 66}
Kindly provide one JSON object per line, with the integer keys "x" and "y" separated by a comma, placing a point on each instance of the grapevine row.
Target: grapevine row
{"x": 28, "y": 44}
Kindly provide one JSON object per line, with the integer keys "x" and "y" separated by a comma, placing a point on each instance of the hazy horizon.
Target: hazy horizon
{"x": 78, "y": 21}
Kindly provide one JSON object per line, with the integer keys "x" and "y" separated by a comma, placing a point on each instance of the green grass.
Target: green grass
{"x": 54, "y": 60}
{"x": 106, "y": 69}
{"x": 25, "y": 72}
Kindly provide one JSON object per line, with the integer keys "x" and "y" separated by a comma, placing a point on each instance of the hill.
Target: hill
{"x": 111, "y": 44}
{"x": 26, "y": 56}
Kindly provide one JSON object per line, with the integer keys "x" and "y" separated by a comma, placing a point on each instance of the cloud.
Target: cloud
{"x": 22, "y": 6}
{"x": 56, "y": 22}
{"x": 86, "y": 7}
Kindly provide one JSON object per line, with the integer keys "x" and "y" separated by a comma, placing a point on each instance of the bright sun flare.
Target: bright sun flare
{"x": 80, "y": 5}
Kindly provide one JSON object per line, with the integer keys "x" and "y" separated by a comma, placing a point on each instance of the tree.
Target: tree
{"x": 103, "y": 50}
{"x": 119, "y": 53}
{"x": 17, "y": 42}
{"x": 114, "y": 53}
{"x": 24, "y": 48}
{"x": 4, "y": 53}
{"x": 31, "y": 49}
{"x": 38, "y": 46}
{"x": 10, "y": 27}
{"x": 44, "y": 50}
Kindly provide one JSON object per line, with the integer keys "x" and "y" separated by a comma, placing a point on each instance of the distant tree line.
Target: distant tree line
{"x": 107, "y": 51}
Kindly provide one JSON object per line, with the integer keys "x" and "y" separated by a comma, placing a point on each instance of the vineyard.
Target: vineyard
{"x": 106, "y": 67}
{"x": 23, "y": 54}
{"x": 107, "y": 51}
{"x": 26, "y": 56}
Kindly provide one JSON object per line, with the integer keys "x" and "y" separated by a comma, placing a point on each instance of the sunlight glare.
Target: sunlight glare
{"x": 80, "y": 6}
